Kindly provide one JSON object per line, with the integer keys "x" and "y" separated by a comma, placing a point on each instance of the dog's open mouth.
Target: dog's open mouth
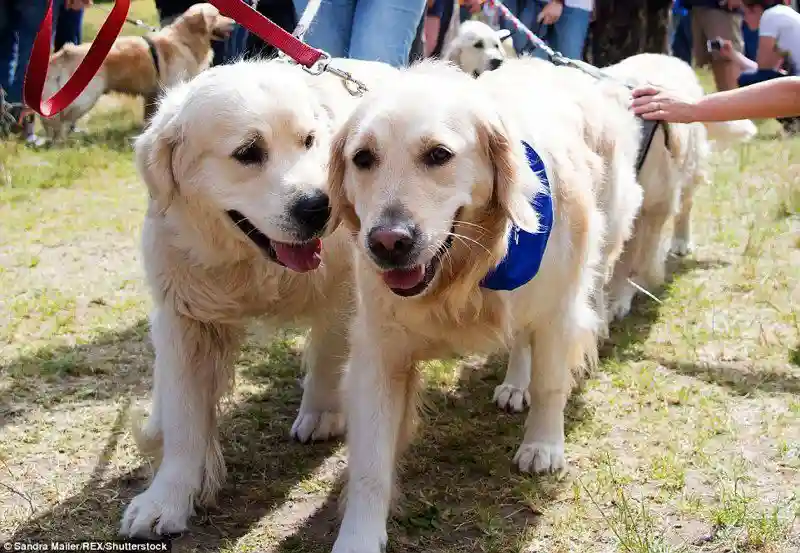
{"x": 300, "y": 257}
{"x": 413, "y": 281}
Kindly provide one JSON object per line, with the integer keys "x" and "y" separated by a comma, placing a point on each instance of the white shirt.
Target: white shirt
{"x": 587, "y": 5}
{"x": 783, "y": 24}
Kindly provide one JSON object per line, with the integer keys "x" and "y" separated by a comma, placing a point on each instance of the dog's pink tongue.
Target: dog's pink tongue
{"x": 404, "y": 279}
{"x": 299, "y": 257}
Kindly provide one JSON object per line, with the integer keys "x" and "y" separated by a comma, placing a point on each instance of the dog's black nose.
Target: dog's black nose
{"x": 311, "y": 213}
{"x": 495, "y": 63}
{"x": 391, "y": 245}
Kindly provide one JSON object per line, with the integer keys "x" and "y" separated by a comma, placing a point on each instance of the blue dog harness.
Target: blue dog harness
{"x": 525, "y": 249}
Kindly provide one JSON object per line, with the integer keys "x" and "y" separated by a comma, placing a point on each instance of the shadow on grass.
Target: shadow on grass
{"x": 458, "y": 470}
{"x": 263, "y": 464}
{"x": 116, "y": 363}
{"x": 460, "y": 491}
{"x": 629, "y": 334}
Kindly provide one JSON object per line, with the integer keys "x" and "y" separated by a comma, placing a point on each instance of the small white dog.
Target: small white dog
{"x": 236, "y": 165}
{"x": 478, "y": 48}
{"x": 476, "y": 226}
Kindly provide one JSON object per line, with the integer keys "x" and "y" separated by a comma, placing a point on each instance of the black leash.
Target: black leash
{"x": 153, "y": 54}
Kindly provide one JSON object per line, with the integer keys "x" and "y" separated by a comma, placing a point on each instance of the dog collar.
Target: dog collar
{"x": 153, "y": 54}
{"x": 525, "y": 249}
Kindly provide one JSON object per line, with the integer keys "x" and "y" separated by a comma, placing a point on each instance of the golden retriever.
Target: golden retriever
{"x": 235, "y": 163}
{"x": 676, "y": 164}
{"x": 610, "y": 131}
{"x": 182, "y": 50}
{"x": 477, "y": 47}
{"x": 436, "y": 194}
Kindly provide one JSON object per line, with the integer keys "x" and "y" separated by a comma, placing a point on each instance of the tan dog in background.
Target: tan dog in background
{"x": 182, "y": 50}
{"x": 430, "y": 191}
{"x": 477, "y": 47}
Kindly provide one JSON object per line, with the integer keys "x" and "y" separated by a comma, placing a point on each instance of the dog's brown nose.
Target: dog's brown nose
{"x": 392, "y": 239}
{"x": 391, "y": 245}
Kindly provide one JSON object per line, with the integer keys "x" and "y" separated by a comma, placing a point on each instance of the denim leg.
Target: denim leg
{"x": 8, "y": 41}
{"x": 69, "y": 27}
{"x": 759, "y": 76}
{"x": 569, "y": 32}
{"x": 332, "y": 27}
{"x": 30, "y": 13}
{"x": 682, "y": 39}
{"x": 514, "y": 7}
{"x": 529, "y": 11}
{"x": 383, "y": 30}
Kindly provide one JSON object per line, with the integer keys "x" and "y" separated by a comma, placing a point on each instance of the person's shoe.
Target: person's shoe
{"x": 29, "y": 131}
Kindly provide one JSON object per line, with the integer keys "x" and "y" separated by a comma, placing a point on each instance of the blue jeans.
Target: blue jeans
{"x": 758, "y": 76}
{"x": 19, "y": 23}
{"x": 67, "y": 25}
{"x": 682, "y": 38}
{"x": 372, "y": 30}
{"x": 567, "y": 35}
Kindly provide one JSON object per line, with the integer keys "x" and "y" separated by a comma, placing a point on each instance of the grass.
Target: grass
{"x": 687, "y": 439}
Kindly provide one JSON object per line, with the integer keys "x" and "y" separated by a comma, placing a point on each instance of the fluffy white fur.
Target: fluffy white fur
{"x": 595, "y": 111}
{"x": 676, "y": 164}
{"x": 208, "y": 279}
{"x": 478, "y": 48}
{"x": 481, "y": 190}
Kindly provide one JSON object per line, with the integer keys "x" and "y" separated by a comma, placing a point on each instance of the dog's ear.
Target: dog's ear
{"x": 342, "y": 211}
{"x": 510, "y": 168}
{"x": 453, "y": 51}
{"x": 201, "y": 19}
{"x": 502, "y": 34}
{"x": 153, "y": 154}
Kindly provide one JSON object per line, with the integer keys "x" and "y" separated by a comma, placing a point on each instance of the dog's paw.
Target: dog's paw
{"x": 510, "y": 398}
{"x": 156, "y": 512}
{"x": 681, "y": 247}
{"x": 621, "y": 304}
{"x": 360, "y": 543}
{"x": 314, "y": 426}
{"x": 537, "y": 457}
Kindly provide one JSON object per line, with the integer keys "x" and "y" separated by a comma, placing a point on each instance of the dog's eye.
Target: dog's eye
{"x": 250, "y": 154}
{"x": 364, "y": 159}
{"x": 478, "y": 45}
{"x": 309, "y": 141}
{"x": 438, "y": 155}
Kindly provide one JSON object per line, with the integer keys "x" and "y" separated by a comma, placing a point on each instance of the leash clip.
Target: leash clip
{"x": 353, "y": 85}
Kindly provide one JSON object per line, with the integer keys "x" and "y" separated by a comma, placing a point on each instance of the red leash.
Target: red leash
{"x": 237, "y": 10}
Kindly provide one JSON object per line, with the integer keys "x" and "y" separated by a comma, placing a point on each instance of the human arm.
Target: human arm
{"x": 775, "y": 98}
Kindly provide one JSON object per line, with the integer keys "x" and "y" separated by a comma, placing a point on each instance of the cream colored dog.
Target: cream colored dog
{"x": 235, "y": 162}
{"x": 477, "y": 47}
{"x": 182, "y": 50}
{"x": 676, "y": 164}
{"x": 589, "y": 109}
{"x": 433, "y": 194}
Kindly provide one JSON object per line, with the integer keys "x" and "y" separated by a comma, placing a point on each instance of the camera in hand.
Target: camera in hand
{"x": 714, "y": 45}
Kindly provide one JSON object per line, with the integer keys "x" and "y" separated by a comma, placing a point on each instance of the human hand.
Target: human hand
{"x": 654, "y": 104}
{"x": 77, "y": 4}
{"x": 726, "y": 50}
{"x": 550, "y": 13}
{"x": 474, "y": 6}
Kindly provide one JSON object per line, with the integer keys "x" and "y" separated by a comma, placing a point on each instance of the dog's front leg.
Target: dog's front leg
{"x": 380, "y": 394}
{"x": 320, "y": 416}
{"x": 513, "y": 395}
{"x": 542, "y": 449}
{"x": 193, "y": 368}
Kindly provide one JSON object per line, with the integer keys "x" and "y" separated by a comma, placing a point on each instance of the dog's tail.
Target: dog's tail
{"x": 726, "y": 133}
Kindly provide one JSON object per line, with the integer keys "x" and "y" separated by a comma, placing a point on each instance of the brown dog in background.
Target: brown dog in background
{"x": 139, "y": 66}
